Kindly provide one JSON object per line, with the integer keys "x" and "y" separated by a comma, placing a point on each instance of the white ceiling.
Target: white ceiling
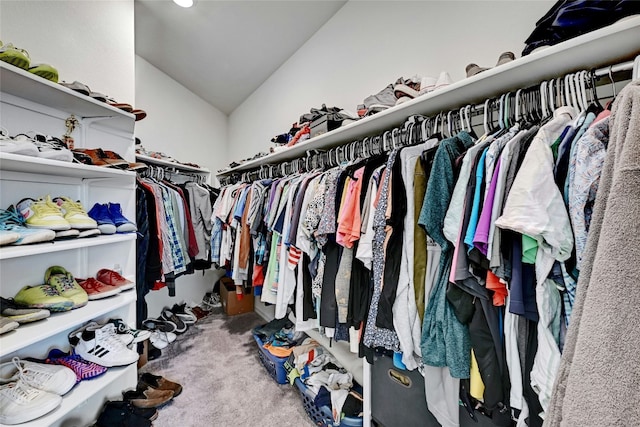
{"x": 224, "y": 50}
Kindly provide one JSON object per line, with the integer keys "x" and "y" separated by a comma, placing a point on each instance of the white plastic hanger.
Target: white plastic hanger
{"x": 636, "y": 68}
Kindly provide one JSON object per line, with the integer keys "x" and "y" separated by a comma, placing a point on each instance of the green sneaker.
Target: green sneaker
{"x": 15, "y": 56}
{"x": 43, "y": 296}
{"x": 62, "y": 281}
{"x": 45, "y": 71}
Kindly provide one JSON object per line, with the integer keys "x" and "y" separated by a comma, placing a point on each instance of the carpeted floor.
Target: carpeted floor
{"x": 224, "y": 384}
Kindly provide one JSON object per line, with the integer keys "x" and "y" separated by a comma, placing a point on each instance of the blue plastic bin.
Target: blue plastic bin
{"x": 322, "y": 416}
{"x": 274, "y": 365}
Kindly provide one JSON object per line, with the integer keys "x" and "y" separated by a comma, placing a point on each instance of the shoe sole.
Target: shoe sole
{"x": 52, "y": 227}
{"x": 27, "y": 318}
{"x": 107, "y": 228}
{"x": 105, "y": 294}
{"x": 58, "y": 308}
{"x": 89, "y": 233}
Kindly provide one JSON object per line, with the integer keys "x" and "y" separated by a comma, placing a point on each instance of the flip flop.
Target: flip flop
{"x": 140, "y": 114}
{"x": 45, "y": 71}
{"x": 15, "y": 56}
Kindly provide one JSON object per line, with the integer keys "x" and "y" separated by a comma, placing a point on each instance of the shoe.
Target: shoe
{"x": 161, "y": 340}
{"x": 473, "y": 69}
{"x": 112, "y": 155}
{"x": 13, "y": 311}
{"x": 99, "y": 158}
{"x": 183, "y": 312}
{"x": 154, "y": 352}
{"x": 140, "y": 114}
{"x": 12, "y": 221}
{"x": 42, "y": 213}
{"x": 7, "y": 237}
{"x": 199, "y": 312}
{"x": 123, "y": 225}
{"x": 7, "y": 325}
{"x": 113, "y": 278}
{"x": 78, "y": 87}
{"x": 54, "y": 379}
{"x": 43, "y": 296}
{"x": 100, "y": 213}
{"x": 83, "y": 369}
{"x": 212, "y": 300}
{"x": 66, "y": 285}
{"x": 159, "y": 383}
{"x": 23, "y": 146}
{"x": 444, "y": 80}
{"x": 124, "y": 414}
{"x": 125, "y": 333}
{"x": 160, "y": 325}
{"x": 45, "y": 71}
{"x": 75, "y": 214}
{"x": 168, "y": 315}
{"x": 148, "y": 398}
{"x": 15, "y": 56}
{"x": 99, "y": 344}
{"x": 406, "y": 90}
{"x": 90, "y": 232}
{"x": 49, "y": 147}
{"x": 96, "y": 289}
{"x": 75, "y": 336}
{"x": 67, "y": 234}
{"x": 20, "y": 402}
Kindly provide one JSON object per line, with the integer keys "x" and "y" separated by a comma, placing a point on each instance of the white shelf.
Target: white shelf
{"x": 7, "y": 252}
{"x": 81, "y": 393}
{"x": 18, "y": 163}
{"x": 20, "y": 83}
{"x": 617, "y": 42}
{"x": 340, "y": 350}
{"x": 178, "y": 166}
{"x": 31, "y": 333}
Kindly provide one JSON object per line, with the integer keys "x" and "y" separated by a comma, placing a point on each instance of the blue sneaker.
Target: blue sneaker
{"x": 11, "y": 220}
{"x": 100, "y": 213}
{"x": 123, "y": 225}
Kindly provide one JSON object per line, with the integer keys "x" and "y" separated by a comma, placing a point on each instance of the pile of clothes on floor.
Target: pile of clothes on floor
{"x": 279, "y": 337}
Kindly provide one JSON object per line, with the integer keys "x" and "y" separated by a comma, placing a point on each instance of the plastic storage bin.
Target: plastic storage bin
{"x": 274, "y": 365}
{"x": 322, "y": 416}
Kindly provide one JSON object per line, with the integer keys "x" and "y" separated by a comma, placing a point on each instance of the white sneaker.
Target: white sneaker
{"x": 55, "y": 379}
{"x": 20, "y": 402}
{"x": 52, "y": 148}
{"x": 161, "y": 340}
{"x": 23, "y": 145}
{"x": 7, "y": 237}
{"x": 443, "y": 80}
{"x": 99, "y": 344}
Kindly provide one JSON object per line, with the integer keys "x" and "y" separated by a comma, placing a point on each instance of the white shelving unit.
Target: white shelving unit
{"x": 169, "y": 164}
{"x": 30, "y": 103}
{"x": 616, "y": 43}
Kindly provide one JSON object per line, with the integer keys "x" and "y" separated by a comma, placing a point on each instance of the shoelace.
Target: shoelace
{"x": 67, "y": 282}
{"x": 31, "y": 377}
{"x": 19, "y": 391}
{"x": 109, "y": 339}
{"x": 73, "y": 208}
{"x": 49, "y": 290}
{"x": 45, "y": 207}
{"x": 9, "y": 217}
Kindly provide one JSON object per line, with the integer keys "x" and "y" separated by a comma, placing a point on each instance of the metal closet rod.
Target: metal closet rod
{"x": 476, "y": 110}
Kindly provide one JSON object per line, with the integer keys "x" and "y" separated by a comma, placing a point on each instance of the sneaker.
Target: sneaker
{"x": 15, "y": 56}
{"x": 123, "y": 414}
{"x": 43, "y": 296}
{"x": 52, "y": 148}
{"x": 212, "y": 300}
{"x": 168, "y": 315}
{"x": 161, "y": 340}
{"x": 149, "y": 413}
{"x": 149, "y": 398}
{"x": 8, "y": 237}
{"x": 42, "y": 213}
{"x": 45, "y": 71}
{"x": 125, "y": 333}
{"x": 444, "y": 80}
{"x": 114, "y": 278}
{"x": 96, "y": 289}
{"x": 66, "y": 285}
{"x": 75, "y": 214}
{"x": 67, "y": 234}
{"x": 83, "y": 369}
{"x": 13, "y": 311}
{"x": 20, "y": 402}
{"x": 54, "y": 379}
{"x": 7, "y": 325}
{"x": 23, "y": 146}
{"x": 160, "y": 325}
{"x": 99, "y": 344}
{"x": 12, "y": 221}
{"x": 90, "y": 232}
{"x": 100, "y": 213}
{"x": 159, "y": 383}
{"x": 183, "y": 312}
{"x": 123, "y": 225}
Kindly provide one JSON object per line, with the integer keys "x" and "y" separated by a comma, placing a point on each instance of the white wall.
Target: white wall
{"x": 88, "y": 41}
{"x": 185, "y": 127}
{"x": 369, "y": 44}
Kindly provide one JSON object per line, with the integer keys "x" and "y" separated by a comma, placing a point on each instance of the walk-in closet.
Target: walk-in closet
{"x": 331, "y": 213}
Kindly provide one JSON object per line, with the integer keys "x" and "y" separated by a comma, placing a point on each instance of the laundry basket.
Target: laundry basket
{"x": 274, "y": 365}
{"x": 322, "y": 416}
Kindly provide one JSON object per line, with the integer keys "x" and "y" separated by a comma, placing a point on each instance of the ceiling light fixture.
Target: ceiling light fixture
{"x": 184, "y": 3}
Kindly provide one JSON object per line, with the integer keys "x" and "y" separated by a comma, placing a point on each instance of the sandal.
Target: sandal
{"x": 15, "y": 56}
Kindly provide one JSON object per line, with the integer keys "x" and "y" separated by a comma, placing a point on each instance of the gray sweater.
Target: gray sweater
{"x": 599, "y": 375}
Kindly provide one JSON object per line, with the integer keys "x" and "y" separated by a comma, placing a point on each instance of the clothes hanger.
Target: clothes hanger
{"x": 613, "y": 82}
{"x": 635, "y": 74}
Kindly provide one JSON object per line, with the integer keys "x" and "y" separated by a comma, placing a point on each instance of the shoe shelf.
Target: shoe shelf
{"x": 7, "y": 252}
{"x": 31, "y": 333}
{"x": 19, "y": 163}
{"x": 20, "y": 83}
{"x": 617, "y": 42}
{"x": 80, "y": 394}
{"x": 179, "y": 166}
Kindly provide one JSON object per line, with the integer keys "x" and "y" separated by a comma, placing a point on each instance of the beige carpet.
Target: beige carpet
{"x": 224, "y": 384}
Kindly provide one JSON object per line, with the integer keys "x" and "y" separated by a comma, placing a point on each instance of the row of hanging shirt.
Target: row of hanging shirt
{"x": 178, "y": 211}
{"x": 454, "y": 249}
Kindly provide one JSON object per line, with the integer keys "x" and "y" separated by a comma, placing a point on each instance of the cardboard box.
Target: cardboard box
{"x": 230, "y": 302}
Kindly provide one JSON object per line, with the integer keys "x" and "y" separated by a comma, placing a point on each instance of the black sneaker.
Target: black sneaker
{"x": 184, "y": 313}
{"x": 170, "y": 316}
{"x": 121, "y": 416}
{"x": 149, "y": 413}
